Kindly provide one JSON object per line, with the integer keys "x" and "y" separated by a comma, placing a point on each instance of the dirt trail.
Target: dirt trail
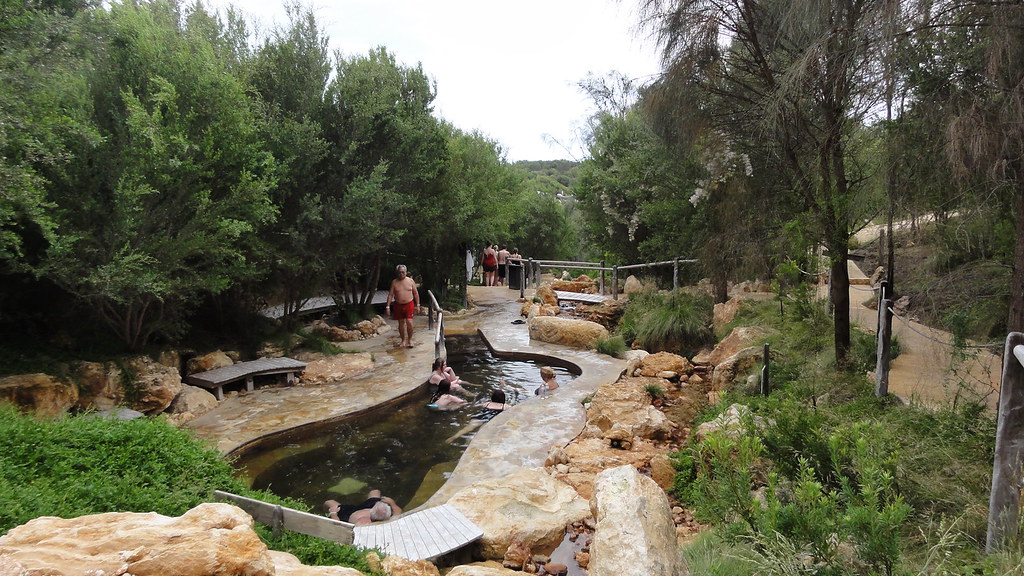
{"x": 929, "y": 369}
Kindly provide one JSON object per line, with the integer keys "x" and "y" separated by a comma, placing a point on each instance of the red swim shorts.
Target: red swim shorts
{"x": 403, "y": 311}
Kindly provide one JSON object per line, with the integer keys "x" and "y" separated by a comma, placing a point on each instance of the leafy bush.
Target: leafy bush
{"x": 674, "y": 322}
{"x": 81, "y": 465}
{"x": 613, "y": 346}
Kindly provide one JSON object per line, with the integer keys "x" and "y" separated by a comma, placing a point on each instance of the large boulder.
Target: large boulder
{"x": 207, "y": 362}
{"x": 209, "y": 540}
{"x": 483, "y": 569}
{"x": 99, "y": 386}
{"x": 735, "y": 367}
{"x": 287, "y": 565}
{"x": 581, "y": 285}
{"x": 528, "y": 507}
{"x": 336, "y": 368}
{"x": 154, "y": 385}
{"x": 585, "y": 458}
{"x": 566, "y": 331}
{"x": 636, "y": 534}
{"x": 546, "y": 295}
{"x": 40, "y": 393}
{"x": 725, "y": 312}
{"x": 193, "y": 400}
{"x": 632, "y": 285}
{"x": 626, "y": 405}
{"x": 661, "y": 362}
{"x": 740, "y": 338}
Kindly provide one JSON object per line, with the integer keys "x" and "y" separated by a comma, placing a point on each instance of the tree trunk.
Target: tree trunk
{"x": 1015, "y": 317}
{"x": 839, "y": 297}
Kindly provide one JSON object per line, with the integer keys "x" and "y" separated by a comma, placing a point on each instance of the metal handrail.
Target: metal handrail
{"x": 439, "y": 348}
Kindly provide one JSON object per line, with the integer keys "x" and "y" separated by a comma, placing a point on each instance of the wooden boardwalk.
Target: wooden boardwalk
{"x": 217, "y": 378}
{"x": 319, "y": 304}
{"x": 580, "y": 297}
{"x": 419, "y": 535}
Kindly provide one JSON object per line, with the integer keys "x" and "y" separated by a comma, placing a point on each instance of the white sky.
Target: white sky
{"x": 507, "y": 69}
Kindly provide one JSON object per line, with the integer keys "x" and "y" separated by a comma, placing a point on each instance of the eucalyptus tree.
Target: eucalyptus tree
{"x": 386, "y": 159}
{"x": 163, "y": 206}
{"x": 289, "y": 71}
{"x": 633, "y": 190}
{"x": 805, "y": 74}
{"x": 987, "y": 135}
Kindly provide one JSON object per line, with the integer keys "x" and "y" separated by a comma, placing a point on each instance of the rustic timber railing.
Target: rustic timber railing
{"x": 418, "y": 535}
{"x": 530, "y": 268}
{"x": 1004, "y": 499}
{"x": 435, "y": 309}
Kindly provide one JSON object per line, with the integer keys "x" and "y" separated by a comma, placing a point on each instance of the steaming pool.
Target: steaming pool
{"x": 404, "y": 449}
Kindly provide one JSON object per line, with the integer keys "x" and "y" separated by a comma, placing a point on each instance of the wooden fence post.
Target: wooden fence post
{"x": 882, "y": 349}
{"x": 675, "y": 274}
{"x": 1004, "y": 499}
{"x": 765, "y": 384}
{"x": 615, "y": 282}
{"x": 602, "y": 277}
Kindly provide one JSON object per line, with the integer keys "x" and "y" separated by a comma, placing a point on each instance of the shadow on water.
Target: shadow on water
{"x": 400, "y": 449}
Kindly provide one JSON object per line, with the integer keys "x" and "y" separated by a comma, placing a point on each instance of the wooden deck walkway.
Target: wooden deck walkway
{"x": 580, "y": 297}
{"x": 217, "y": 378}
{"x": 420, "y": 535}
{"x": 319, "y": 304}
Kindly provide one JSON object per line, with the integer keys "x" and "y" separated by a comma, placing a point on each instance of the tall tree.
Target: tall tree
{"x": 803, "y": 71}
{"x": 165, "y": 207}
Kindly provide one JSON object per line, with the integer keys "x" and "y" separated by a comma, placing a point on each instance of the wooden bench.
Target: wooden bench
{"x": 217, "y": 378}
{"x": 420, "y": 535}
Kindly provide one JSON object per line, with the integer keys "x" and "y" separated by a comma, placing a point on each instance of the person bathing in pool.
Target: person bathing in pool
{"x": 441, "y": 371}
{"x": 444, "y": 399}
{"x": 375, "y": 508}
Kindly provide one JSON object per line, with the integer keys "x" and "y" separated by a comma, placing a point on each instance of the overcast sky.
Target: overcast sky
{"x": 507, "y": 69}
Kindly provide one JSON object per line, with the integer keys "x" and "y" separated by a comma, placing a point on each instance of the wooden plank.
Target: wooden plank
{"x": 580, "y": 297}
{"x": 424, "y": 534}
{"x": 294, "y": 520}
{"x": 261, "y": 367}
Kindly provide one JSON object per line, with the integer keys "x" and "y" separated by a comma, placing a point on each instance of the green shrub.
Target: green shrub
{"x": 614, "y": 346}
{"x": 80, "y": 465}
{"x": 674, "y": 322}
{"x": 318, "y": 343}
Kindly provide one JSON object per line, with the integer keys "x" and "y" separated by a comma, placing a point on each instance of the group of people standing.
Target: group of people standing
{"x": 494, "y": 260}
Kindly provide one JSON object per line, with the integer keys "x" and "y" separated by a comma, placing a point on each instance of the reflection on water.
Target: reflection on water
{"x": 402, "y": 450}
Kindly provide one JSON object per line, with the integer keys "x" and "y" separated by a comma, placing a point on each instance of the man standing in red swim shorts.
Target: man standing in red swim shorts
{"x": 407, "y": 299}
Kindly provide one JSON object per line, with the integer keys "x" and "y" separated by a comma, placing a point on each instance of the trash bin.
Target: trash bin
{"x": 514, "y": 276}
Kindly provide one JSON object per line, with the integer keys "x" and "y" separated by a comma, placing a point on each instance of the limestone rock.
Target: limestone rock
{"x": 528, "y": 506}
{"x": 335, "y": 368}
{"x": 725, "y": 312}
{"x": 209, "y": 540}
{"x": 397, "y": 566}
{"x": 546, "y": 295}
{"x": 211, "y": 361}
{"x": 740, "y": 338}
{"x": 633, "y": 360}
{"x": 590, "y": 456}
{"x": 634, "y": 521}
{"x": 155, "y": 385}
{"x": 287, "y": 565}
{"x": 662, "y": 471}
{"x": 566, "y": 331}
{"x": 98, "y": 386}
{"x": 483, "y": 569}
{"x": 730, "y": 369}
{"x": 582, "y": 285}
{"x": 40, "y": 393}
{"x": 628, "y": 405}
{"x": 336, "y": 334}
{"x": 653, "y": 364}
{"x": 366, "y": 328}
{"x": 632, "y": 285}
{"x": 731, "y": 423}
{"x": 193, "y": 400}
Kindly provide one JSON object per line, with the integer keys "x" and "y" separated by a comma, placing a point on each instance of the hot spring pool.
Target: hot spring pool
{"x": 401, "y": 449}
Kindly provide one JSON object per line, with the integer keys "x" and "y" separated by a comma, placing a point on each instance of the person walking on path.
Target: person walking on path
{"x": 406, "y": 298}
{"x": 490, "y": 264}
{"x": 503, "y": 256}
